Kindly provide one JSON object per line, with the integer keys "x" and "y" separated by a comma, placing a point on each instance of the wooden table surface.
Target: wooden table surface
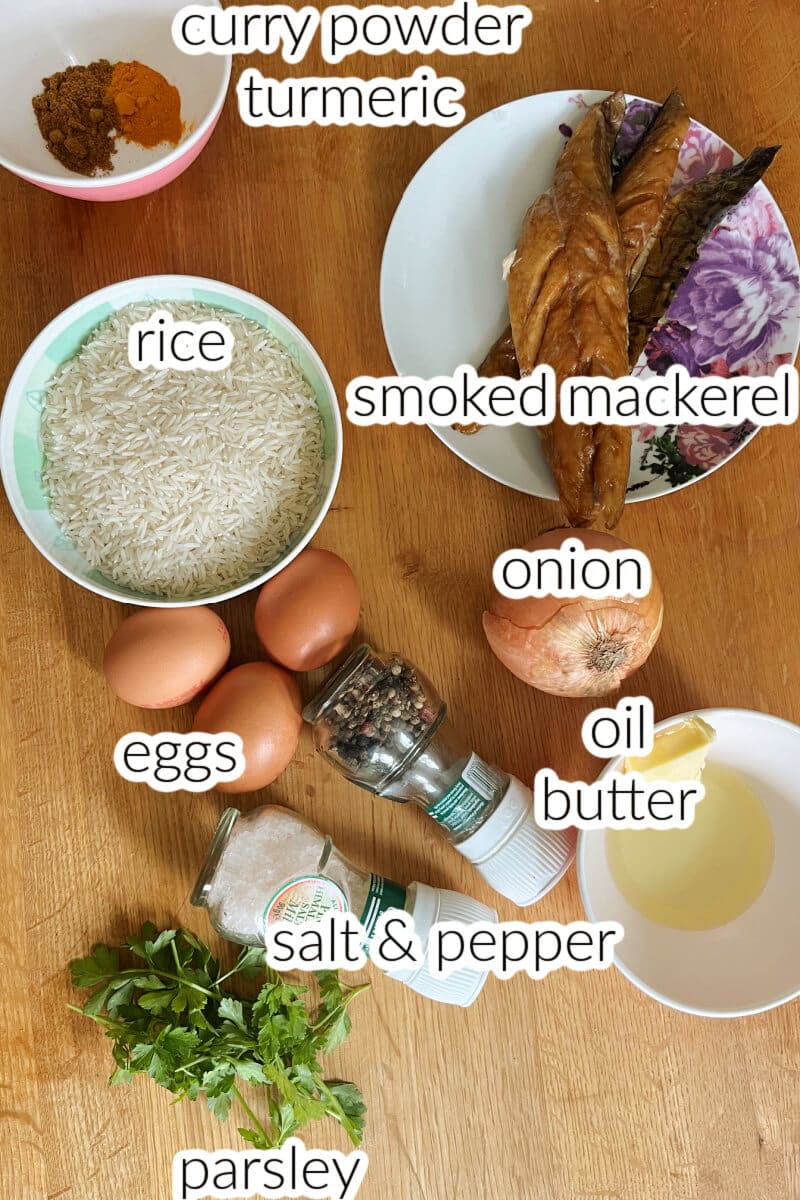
{"x": 575, "y": 1088}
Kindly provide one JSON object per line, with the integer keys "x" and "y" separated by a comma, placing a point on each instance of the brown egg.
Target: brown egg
{"x": 307, "y": 614}
{"x": 162, "y": 657}
{"x": 260, "y": 702}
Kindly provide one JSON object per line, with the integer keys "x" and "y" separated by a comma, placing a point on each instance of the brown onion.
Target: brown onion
{"x": 574, "y": 646}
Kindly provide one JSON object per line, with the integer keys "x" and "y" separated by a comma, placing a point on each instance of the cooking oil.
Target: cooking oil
{"x": 703, "y": 876}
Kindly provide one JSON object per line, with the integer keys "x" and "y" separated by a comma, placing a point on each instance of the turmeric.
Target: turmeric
{"x": 149, "y": 107}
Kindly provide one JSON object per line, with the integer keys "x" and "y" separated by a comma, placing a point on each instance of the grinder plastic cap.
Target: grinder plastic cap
{"x": 428, "y": 906}
{"x": 517, "y": 858}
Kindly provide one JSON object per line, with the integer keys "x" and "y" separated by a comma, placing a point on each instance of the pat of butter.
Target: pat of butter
{"x": 679, "y": 753}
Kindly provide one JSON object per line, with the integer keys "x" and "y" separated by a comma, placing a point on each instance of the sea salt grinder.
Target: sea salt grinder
{"x": 270, "y": 864}
{"x": 380, "y": 722}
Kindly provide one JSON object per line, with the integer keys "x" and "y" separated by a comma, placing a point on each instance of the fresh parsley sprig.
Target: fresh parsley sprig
{"x": 168, "y": 1015}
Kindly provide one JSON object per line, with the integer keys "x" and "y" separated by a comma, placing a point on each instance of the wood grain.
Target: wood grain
{"x": 575, "y": 1088}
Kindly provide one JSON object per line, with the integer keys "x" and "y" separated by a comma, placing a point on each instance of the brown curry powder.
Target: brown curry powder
{"x": 76, "y": 118}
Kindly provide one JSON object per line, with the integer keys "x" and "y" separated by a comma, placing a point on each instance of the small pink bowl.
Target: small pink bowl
{"x": 46, "y": 37}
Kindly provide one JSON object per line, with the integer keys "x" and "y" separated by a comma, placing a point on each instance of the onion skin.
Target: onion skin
{"x": 577, "y": 646}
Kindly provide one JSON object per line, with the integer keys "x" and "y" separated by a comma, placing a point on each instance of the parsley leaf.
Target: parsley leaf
{"x": 168, "y": 1015}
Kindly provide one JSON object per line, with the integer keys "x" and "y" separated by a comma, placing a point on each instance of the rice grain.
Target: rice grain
{"x": 181, "y": 484}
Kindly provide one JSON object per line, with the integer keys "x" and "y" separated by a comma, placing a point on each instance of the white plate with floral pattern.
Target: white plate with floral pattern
{"x": 443, "y": 298}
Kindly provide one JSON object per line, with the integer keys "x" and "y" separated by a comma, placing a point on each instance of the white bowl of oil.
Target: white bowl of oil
{"x": 710, "y": 913}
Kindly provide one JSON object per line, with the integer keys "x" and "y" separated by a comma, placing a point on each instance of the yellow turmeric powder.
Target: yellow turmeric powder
{"x": 149, "y": 107}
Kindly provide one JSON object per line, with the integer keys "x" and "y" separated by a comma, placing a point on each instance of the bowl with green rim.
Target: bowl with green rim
{"x": 22, "y": 454}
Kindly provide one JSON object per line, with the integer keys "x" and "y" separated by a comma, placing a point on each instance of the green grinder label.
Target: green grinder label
{"x": 462, "y": 807}
{"x": 383, "y": 894}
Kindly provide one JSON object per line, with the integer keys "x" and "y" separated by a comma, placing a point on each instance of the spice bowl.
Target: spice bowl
{"x": 21, "y": 448}
{"x": 750, "y": 963}
{"x": 44, "y": 38}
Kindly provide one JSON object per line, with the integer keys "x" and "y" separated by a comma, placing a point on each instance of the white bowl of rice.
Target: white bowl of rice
{"x": 165, "y": 487}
